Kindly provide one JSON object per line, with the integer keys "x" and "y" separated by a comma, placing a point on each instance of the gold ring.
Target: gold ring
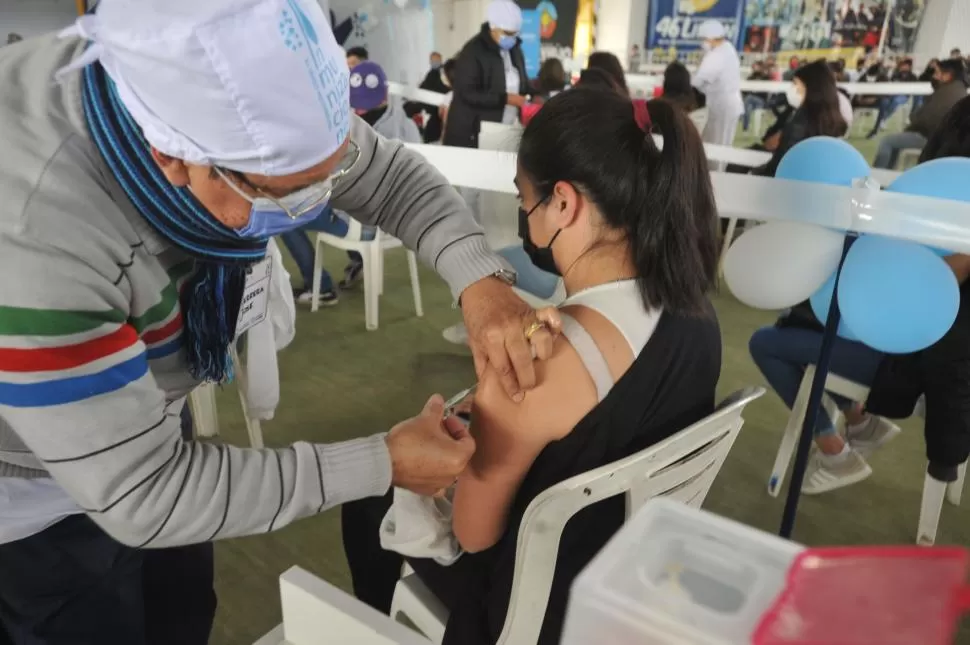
{"x": 533, "y": 328}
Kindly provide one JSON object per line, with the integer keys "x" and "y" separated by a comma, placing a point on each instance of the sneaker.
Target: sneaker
{"x": 327, "y": 298}
{"x": 352, "y": 275}
{"x": 456, "y": 334}
{"x": 829, "y": 472}
{"x": 872, "y": 435}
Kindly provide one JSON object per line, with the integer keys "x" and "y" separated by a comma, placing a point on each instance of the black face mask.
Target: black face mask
{"x": 935, "y": 84}
{"x": 541, "y": 257}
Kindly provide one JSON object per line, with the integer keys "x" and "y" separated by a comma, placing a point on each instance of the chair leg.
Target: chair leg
{"x": 415, "y": 284}
{"x": 253, "y": 428}
{"x": 792, "y": 431}
{"x": 954, "y": 490}
{"x": 929, "y": 511}
{"x": 380, "y": 272}
{"x": 372, "y": 293}
{"x": 728, "y": 237}
{"x": 205, "y": 415}
{"x": 317, "y": 268}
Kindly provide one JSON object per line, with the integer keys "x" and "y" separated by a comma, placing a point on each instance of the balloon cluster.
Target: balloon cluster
{"x": 894, "y": 295}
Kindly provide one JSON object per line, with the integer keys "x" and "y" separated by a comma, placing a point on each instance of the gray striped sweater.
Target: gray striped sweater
{"x": 90, "y": 329}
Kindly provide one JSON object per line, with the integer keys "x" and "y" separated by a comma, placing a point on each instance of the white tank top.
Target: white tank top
{"x": 621, "y": 304}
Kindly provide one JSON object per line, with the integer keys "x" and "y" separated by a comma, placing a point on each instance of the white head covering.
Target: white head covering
{"x": 256, "y": 86}
{"x": 504, "y": 15}
{"x": 711, "y": 29}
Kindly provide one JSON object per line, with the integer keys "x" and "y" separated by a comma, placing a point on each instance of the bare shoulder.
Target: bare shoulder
{"x": 564, "y": 395}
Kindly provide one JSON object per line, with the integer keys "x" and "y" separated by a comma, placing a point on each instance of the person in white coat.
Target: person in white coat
{"x": 719, "y": 79}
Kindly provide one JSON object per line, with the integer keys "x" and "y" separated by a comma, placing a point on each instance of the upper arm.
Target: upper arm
{"x": 510, "y": 436}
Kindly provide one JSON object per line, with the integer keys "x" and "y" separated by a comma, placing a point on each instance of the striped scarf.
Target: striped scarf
{"x": 210, "y": 299}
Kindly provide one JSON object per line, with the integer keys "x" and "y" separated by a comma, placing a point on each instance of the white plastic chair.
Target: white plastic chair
{"x": 205, "y": 416}
{"x": 907, "y": 158}
{"x": 934, "y": 490}
{"x": 681, "y": 467}
{"x": 863, "y": 118}
{"x": 372, "y": 252}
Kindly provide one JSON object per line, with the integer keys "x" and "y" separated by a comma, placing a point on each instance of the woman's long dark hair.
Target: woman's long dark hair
{"x": 677, "y": 87}
{"x": 821, "y": 104}
{"x": 552, "y": 76}
{"x": 662, "y": 200}
{"x": 611, "y": 65}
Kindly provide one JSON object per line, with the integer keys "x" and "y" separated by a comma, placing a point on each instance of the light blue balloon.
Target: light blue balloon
{"x": 821, "y": 302}
{"x": 947, "y": 178}
{"x": 824, "y": 160}
{"x": 897, "y": 296}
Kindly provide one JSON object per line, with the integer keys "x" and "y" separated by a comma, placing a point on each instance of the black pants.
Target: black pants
{"x": 73, "y": 584}
{"x": 375, "y": 572}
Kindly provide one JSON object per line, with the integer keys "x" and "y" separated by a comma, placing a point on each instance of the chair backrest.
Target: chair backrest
{"x": 682, "y": 467}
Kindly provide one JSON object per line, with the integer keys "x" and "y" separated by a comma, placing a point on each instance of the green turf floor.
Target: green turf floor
{"x": 340, "y": 381}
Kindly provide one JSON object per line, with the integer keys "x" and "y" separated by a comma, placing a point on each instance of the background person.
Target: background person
{"x": 815, "y": 99}
{"x": 889, "y": 104}
{"x": 490, "y": 77}
{"x": 940, "y": 372}
{"x": 719, "y": 79}
{"x": 427, "y": 116}
{"x": 368, "y": 99}
{"x": 755, "y": 100}
{"x": 949, "y": 88}
{"x": 677, "y": 89}
{"x": 356, "y": 56}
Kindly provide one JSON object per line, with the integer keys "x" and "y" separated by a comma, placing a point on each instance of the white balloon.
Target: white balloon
{"x": 779, "y": 264}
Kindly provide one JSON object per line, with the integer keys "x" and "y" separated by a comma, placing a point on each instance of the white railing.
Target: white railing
{"x": 934, "y": 222}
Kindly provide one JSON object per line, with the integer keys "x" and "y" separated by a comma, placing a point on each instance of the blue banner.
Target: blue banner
{"x": 674, "y": 23}
{"x": 531, "y": 45}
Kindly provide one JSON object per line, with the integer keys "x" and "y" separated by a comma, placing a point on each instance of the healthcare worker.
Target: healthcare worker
{"x": 719, "y": 79}
{"x": 136, "y": 191}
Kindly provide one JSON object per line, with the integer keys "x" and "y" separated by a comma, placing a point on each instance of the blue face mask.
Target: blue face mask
{"x": 435, "y": 65}
{"x": 269, "y": 216}
{"x": 507, "y": 42}
{"x": 267, "y": 219}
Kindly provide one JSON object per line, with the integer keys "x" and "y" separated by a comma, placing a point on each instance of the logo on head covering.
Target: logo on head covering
{"x": 325, "y": 66}
{"x": 305, "y": 23}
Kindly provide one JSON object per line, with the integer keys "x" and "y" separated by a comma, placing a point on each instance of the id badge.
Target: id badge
{"x": 255, "y": 300}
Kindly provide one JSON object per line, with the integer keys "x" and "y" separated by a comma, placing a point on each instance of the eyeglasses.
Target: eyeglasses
{"x": 300, "y": 202}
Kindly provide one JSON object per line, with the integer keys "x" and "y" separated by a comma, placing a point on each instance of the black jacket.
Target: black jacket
{"x": 479, "y": 88}
{"x": 795, "y": 130}
{"x": 432, "y": 82}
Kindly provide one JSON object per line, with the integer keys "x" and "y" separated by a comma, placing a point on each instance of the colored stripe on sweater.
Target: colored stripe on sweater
{"x": 161, "y": 351}
{"x": 49, "y": 359}
{"x": 77, "y": 388}
{"x": 22, "y": 321}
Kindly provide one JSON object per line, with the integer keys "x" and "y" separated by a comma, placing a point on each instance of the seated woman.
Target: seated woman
{"x": 631, "y": 229}
{"x": 815, "y": 99}
{"x": 677, "y": 88}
